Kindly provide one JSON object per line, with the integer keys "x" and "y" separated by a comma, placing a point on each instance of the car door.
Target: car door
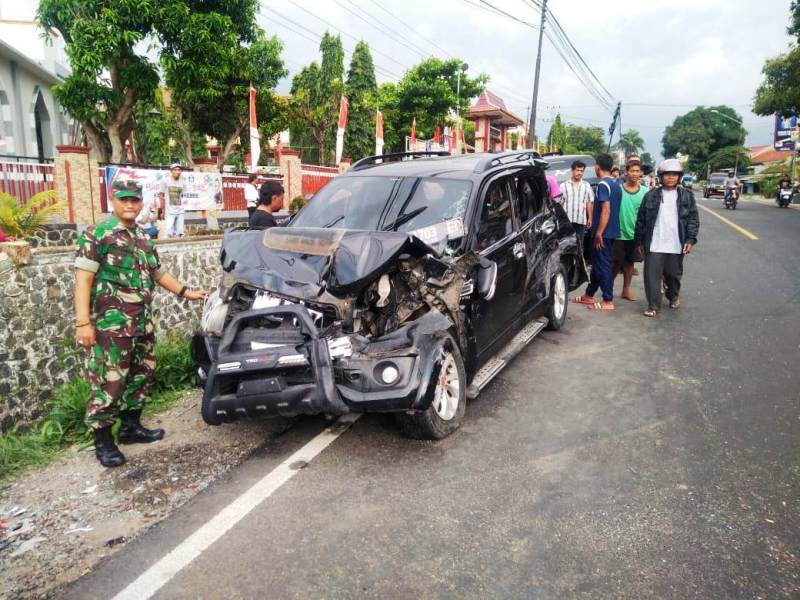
{"x": 539, "y": 225}
{"x": 498, "y": 240}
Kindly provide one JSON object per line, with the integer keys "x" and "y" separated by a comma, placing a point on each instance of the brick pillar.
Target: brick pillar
{"x": 482, "y": 134}
{"x": 292, "y": 175}
{"x": 78, "y": 185}
{"x": 206, "y": 165}
{"x": 345, "y": 164}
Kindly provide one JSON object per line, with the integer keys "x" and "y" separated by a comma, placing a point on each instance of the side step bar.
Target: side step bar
{"x": 496, "y": 364}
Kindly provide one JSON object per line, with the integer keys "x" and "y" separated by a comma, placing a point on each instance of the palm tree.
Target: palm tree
{"x": 630, "y": 143}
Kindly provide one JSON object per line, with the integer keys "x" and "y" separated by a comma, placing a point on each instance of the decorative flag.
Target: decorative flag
{"x": 414, "y": 135}
{"x": 521, "y": 140}
{"x": 343, "y": 108}
{"x": 454, "y": 140}
{"x": 255, "y": 140}
{"x": 378, "y": 133}
{"x": 437, "y": 136}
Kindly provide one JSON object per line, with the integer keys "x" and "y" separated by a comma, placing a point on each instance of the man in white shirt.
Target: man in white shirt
{"x": 251, "y": 193}
{"x": 576, "y": 198}
{"x": 666, "y": 230}
{"x": 173, "y": 201}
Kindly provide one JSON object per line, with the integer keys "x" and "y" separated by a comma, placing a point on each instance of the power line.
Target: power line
{"x": 509, "y": 15}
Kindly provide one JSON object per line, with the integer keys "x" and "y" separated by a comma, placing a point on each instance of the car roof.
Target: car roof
{"x": 463, "y": 166}
{"x": 563, "y": 157}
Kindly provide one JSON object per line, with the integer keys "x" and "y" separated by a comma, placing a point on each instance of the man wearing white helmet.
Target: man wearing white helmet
{"x": 666, "y": 229}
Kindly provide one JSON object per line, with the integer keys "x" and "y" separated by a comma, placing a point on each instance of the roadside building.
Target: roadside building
{"x": 494, "y": 123}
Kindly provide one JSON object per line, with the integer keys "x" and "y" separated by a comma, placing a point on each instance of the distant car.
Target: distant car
{"x": 687, "y": 181}
{"x": 715, "y": 185}
{"x": 560, "y": 167}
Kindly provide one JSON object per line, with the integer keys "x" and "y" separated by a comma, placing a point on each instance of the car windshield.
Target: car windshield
{"x": 433, "y": 201}
{"x": 562, "y": 169}
{"x": 348, "y": 203}
{"x": 718, "y": 178}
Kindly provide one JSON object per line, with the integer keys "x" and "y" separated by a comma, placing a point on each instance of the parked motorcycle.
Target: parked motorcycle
{"x": 784, "y": 197}
{"x": 731, "y": 199}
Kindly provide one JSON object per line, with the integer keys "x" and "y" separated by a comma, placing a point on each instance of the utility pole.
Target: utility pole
{"x": 532, "y": 123}
{"x": 614, "y": 125}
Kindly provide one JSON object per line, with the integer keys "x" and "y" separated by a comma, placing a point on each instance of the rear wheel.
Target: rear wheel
{"x": 447, "y": 392}
{"x": 557, "y": 313}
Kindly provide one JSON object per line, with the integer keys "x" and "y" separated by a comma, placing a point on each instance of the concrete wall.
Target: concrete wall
{"x": 36, "y": 316}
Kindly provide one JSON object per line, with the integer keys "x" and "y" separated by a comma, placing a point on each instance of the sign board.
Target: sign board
{"x": 200, "y": 190}
{"x": 785, "y": 128}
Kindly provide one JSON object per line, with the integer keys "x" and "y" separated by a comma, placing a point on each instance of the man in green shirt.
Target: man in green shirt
{"x": 116, "y": 272}
{"x": 625, "y": 253}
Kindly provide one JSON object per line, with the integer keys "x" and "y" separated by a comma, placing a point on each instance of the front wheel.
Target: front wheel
{"x": 447, "y": 393}
{"x": 557, "y": 312}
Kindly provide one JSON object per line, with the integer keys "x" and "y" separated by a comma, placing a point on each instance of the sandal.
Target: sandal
{"x": 601, "y": 306}
{"x": 650, "y": 312}
{"x": 675, "y": 303}
{"x": 583, "y": 300}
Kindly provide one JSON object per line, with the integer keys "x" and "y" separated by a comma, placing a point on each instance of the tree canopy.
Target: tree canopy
{"x": 557, "y": 137}
{"x": 209, "y": 53}
{"x": 361, "y": 90}
{"x": 701, "y": 132}
{"x": 630, "y": 143}
{"x": 779, "y": 92}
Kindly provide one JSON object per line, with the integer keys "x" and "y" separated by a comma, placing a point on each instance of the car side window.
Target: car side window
{"x": 531, "y": 197}
{"x": 496, "y": 217}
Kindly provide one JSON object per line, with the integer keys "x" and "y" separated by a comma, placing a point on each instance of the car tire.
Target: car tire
{"x": 447, "y": 392}
{"x": 205, "y": 411}
{"x": 558, "y": 301}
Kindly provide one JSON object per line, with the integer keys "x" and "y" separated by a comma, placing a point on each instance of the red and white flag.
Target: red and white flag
{"x": 378, "y": 133}
{"x": 255, "y": 140}
{"x": 437, "y": 136}
{"x": 343, "y": 108}
{"x": 454, "y": 140}
{"x": 413, "y": 143}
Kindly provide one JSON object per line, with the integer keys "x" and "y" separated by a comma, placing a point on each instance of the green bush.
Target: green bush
{"x": 296, "y": 204}
{"x": 769, "y": 185}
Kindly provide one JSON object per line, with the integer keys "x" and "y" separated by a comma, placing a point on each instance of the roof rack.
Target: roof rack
{"x": 507, "y": 158}
{"x": 371, "y": 161}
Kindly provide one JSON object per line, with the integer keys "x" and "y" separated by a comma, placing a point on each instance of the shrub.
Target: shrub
{"x": 296, "y": 204}
{"x": 769, "y": 185}
{"x": 22, "y": 220}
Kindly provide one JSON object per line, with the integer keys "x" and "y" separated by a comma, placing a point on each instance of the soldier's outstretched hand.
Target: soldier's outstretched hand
{"x": 85, "y": 335}
{"x": 195, "y": 294}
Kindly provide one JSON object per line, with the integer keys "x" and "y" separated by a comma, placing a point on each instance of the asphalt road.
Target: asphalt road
{"x": 622, "y": 457}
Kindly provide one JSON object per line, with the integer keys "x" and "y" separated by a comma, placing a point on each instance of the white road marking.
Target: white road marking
{"x": 152, "y": 580}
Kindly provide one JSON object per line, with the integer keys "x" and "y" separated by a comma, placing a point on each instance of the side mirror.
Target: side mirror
{"x": 487, "y": 278}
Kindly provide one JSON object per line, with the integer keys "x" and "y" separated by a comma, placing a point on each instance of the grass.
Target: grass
{"x": 64, "y": 424}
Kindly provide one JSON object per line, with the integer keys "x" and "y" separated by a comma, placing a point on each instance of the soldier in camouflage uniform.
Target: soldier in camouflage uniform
{"x": 117, "y": 268}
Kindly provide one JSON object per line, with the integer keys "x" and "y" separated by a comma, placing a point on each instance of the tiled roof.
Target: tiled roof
{"x": 766, "y": 154}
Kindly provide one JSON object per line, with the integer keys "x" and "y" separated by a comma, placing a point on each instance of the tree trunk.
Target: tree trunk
{"x": 99, "y": 147}
{"x": 230, "y": 144}
{"x": 185, "y": 125}
{"x": 117, "y": 143}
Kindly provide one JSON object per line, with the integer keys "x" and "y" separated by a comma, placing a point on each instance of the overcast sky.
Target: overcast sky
{"x": 646, "y": 52}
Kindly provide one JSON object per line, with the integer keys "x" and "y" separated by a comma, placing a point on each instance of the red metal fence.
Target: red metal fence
{"x": 24, "y": 180}
{"x": 233, "y": 190}
{"x": 315, "y": 176}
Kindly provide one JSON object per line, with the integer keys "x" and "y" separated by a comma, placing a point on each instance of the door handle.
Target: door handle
{"x": 519, "y": 250}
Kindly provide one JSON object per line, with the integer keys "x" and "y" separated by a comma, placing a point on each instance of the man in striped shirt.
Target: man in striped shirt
{"x": 576, "y": 198}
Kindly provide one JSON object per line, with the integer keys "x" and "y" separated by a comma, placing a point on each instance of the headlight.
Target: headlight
{"x": 214, "y": 313}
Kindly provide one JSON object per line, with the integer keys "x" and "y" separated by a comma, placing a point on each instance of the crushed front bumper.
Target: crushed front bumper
{"x": 291, "y": 369}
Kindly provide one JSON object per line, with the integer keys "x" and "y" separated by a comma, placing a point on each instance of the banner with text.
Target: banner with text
{"x": 201, "y": 191}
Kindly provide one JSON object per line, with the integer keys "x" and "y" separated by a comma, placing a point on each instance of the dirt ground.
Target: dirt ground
{"x": 56, "y": 523}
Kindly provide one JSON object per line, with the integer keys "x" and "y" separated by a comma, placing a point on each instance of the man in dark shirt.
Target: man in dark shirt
{"x": 605, "y": 229}
{"x": 270, "y": 200}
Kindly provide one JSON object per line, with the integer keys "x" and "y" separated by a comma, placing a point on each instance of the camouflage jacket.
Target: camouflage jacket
{"x": 126, "y": 264}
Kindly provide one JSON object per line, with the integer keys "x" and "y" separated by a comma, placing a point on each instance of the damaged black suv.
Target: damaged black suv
{"x": 403, "y": 286}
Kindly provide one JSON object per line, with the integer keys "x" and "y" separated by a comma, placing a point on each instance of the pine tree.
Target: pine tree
{"x": 361, "y": 91}
{"x": 557, "y": 137}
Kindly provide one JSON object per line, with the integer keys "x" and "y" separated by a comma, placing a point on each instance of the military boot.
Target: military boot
{"x": 133, "y": 432}
{"x": 105, "y": 449}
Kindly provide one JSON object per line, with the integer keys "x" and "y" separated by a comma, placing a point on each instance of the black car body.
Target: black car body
{"x": 394, "y": 280}
{"x": 715, "y": 186}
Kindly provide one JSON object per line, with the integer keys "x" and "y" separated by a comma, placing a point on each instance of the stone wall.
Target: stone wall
{"x": 54, "y": 236}
{"x": 36, "y": 317}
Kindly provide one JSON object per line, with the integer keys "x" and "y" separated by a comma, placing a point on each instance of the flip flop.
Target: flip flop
{"x": 650, "y": 312}
{"x": 583, "y": 300}
{"x": 601, "y": 306}
{"x": 675, "y": 304}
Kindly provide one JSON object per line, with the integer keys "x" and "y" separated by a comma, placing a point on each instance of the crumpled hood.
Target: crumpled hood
{"x": 305, "y": 262}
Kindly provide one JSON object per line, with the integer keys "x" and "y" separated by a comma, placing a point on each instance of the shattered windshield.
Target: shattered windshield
{"x": 348, "y": 203}
{"x": 434, "y": 201}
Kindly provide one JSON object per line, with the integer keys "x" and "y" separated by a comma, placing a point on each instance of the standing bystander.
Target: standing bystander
{"x": 270, "y": 200}
{"x": 173, "y": 202}
{"x": 577, "y": 197}
{"x": 625, "y": 253}
{"x": 666, "y": 229}
{"x": 116, "y": 269}
{"x": 604, "y": 230}
{"x": 251, "y": 194}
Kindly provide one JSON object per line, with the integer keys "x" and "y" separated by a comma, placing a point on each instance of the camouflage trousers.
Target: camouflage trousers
{"x": 119, "y": 371}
